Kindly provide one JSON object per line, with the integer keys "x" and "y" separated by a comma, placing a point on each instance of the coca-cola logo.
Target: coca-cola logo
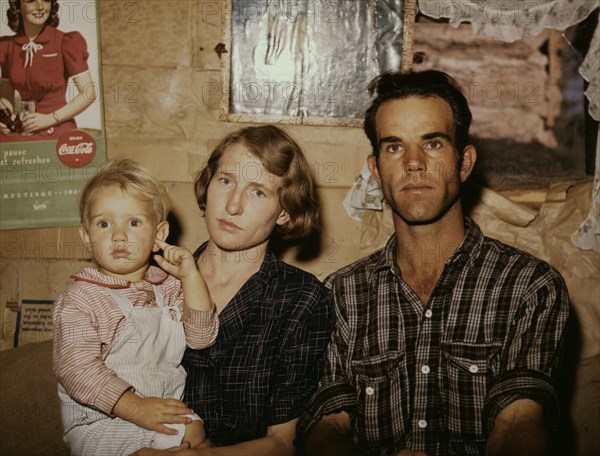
{"x": 81, "y": 148}
{"x": 76, "y": 148}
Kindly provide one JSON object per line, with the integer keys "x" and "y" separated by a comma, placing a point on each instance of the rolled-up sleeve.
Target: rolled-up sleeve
{"x": 533, "y": 351}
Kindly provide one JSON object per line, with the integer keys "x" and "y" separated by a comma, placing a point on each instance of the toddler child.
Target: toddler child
{"x": 121, "y": 328}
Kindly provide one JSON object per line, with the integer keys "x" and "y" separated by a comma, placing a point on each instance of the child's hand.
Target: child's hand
{"x": 180, "y": 263}
{"x": 177, "y": 261}
{"x": 152, "y": 412}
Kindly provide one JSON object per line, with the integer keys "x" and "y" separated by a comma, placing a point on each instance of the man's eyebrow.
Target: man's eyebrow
{"x": 390, "y": 139}
{"x": 437, "y": 134}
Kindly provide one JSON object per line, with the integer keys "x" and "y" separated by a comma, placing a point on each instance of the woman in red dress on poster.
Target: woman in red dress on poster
{"x": 39, "y": 60}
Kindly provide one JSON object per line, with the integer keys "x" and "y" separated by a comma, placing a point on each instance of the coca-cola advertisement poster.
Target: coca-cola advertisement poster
{"x": 52, "y": 137}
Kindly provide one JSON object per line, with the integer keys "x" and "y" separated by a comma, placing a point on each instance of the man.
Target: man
{"x": 447, "y": 342}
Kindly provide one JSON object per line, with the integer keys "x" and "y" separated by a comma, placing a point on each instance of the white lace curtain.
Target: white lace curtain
{"x": 511, "y": 20}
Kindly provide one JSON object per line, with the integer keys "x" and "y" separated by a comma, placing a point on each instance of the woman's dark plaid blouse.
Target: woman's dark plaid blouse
{"x": 268, "y": 357}
{"x": 433, "y": 377}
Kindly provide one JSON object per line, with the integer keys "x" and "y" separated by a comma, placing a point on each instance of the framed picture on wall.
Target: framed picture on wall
{"x": 52, "y": 137}
{"x": 309, "y": 61}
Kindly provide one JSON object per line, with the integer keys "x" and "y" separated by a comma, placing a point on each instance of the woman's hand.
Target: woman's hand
{"x": 7, "y": 108}
{"x": 4, "y": 129}
{"x": 37, "y": 121}
{"x": 152, "y": 412}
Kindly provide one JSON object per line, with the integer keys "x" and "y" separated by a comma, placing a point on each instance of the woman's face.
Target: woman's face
{"x": 242, "y": 202}
{"x": 35, "y": 12}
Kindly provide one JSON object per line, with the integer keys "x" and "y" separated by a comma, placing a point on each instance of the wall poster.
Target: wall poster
{"x": 52, "y": 136}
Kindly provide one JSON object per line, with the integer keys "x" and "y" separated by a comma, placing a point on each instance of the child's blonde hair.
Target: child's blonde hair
{"x": 131, "y": 178}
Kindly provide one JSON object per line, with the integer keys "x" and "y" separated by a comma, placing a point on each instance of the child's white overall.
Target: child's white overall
{"x": 147, "y": 354}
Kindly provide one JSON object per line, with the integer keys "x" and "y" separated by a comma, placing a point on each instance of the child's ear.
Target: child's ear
{"x": 162, "y": 232}
{"x": 85, "y": 237}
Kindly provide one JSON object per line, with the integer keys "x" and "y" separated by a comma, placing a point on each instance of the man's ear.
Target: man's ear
{"x": 85, "y": 237}
{"x": 372, "y": 164}
{"x": 469, "y": 157}
{"x": 283, "y": 218}
{"x": 162, "y": 232}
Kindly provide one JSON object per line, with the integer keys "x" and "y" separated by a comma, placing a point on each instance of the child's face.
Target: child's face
{"x": 120, "y": 233}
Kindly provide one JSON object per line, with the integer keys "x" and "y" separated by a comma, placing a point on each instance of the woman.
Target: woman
{"x": 38, "y": 60}
{"x": 275, "y": 319}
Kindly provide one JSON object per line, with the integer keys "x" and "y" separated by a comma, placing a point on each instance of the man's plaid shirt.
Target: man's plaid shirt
{"x": 433, "y": 377}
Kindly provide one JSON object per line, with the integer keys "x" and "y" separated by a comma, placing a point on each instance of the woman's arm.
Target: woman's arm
{"x": 279, "y": 441}
{"x": 85, "y": 97}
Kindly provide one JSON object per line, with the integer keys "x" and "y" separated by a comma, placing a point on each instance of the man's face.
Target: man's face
{"x": 418, "y": 167}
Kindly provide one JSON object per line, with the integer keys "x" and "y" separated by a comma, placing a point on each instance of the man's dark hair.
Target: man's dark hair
{"x": 430, "y": 83}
